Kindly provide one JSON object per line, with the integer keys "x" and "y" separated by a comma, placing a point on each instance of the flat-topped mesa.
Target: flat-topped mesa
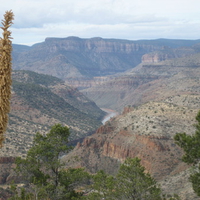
{"x": 99, "y": 45}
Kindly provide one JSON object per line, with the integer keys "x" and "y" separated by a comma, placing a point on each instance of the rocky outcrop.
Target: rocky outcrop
{"x": 145, "y": 132}
{"x": 168, "y": 53}
{"x": 104, "y": 129}
{"x": 156, "y": 57}
{"x": 159, "y": 155}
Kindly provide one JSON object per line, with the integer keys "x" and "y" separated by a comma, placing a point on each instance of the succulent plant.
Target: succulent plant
{"x": 5, "y": 72}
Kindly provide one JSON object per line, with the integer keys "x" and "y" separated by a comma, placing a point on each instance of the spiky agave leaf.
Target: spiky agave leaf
{"x": 5, "y": 72}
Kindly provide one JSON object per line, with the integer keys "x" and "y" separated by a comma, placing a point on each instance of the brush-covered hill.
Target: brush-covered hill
{"x": 146, "y": 132}
{"x": 38, "y": 102}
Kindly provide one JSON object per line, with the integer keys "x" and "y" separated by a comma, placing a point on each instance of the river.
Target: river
{"x": 110, "y": 114}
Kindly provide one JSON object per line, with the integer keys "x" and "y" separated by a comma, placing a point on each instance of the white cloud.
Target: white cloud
{"x": 129, "y": 19}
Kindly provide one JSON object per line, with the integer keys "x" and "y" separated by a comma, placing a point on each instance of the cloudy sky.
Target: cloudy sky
{"x": 122, "y": 19}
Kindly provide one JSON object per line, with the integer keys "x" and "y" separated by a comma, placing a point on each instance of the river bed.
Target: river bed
{"x": 110, "y": 114}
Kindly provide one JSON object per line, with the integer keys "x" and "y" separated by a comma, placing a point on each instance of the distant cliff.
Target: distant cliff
{"x": 149, "y": 81}
{"x": 168, "y": 53}
{"x": 76, "y": 59}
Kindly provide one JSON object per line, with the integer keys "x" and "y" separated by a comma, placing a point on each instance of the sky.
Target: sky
{"x": 36, "y": 20}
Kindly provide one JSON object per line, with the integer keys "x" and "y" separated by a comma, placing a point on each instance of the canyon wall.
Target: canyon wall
{"x": 75, "y": 59}
{"x": 145, "y": 132}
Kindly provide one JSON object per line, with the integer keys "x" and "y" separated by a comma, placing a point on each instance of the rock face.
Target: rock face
{"x": 79, "y": 59}
{"x": 83, "y": 83}
{"x": 149, "y": 82}
{"x": 145, "y": 132}
{"x": 168, "y": 53}
{"x": 155, "y": 57}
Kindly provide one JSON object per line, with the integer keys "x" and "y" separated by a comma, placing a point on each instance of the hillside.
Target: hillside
{"x": 147, "y": 132}
{"x": 160, "y": 100}
{"x": 69, "y": 94}
{"x": 149, "y": 82}
{"x": 40, "y": 101}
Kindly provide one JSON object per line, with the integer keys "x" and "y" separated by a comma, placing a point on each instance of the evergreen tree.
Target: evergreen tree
{"x": 43, "y": 170}
{"x": 191, "y": 146}
{"x": 134, "y": 183}
{"x": 131, "y": 182}
{"x": 103, "y": 187}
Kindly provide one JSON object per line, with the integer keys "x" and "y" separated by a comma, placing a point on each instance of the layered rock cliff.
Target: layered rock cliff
{"x": 168, "y": 53}
{"x": 146, "y": 132}
{"x": 149, "y": 82}
{"x": 75, "y": 58}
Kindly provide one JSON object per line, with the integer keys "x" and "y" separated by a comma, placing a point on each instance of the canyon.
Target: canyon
{"x": 73, "y": 58}
{"x": 38, "y": 102}
{"x": 152, "y": 86}
{"x": 149, "y": 82}
{"x": 146, "y": 132}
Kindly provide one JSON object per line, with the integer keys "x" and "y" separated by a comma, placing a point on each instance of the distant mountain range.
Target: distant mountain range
{"x": 75, "y": 58}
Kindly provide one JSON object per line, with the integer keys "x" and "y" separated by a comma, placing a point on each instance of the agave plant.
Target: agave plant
{"x": 5, "y": 72}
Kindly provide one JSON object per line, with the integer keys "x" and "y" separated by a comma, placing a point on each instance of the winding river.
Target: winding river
{"x": 110, "y": 114}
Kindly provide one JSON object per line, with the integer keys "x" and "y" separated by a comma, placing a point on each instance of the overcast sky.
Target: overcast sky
{"x": 122, "y": 19}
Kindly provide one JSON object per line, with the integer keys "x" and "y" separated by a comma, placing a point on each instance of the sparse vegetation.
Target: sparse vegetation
{"x": 131, "y": 182}
{"x": 191, "y": 147}
{"x": 42, "y": 169}
{"x": 44, "y": 175}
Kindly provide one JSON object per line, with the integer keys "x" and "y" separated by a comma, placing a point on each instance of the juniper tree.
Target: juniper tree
{"x": 191, "y": 147}
{"x": 131, "y": 182}
{"x": 134, "y": 183}
{"x": 5, "y": 72}
{"x": 42, "y": 170}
